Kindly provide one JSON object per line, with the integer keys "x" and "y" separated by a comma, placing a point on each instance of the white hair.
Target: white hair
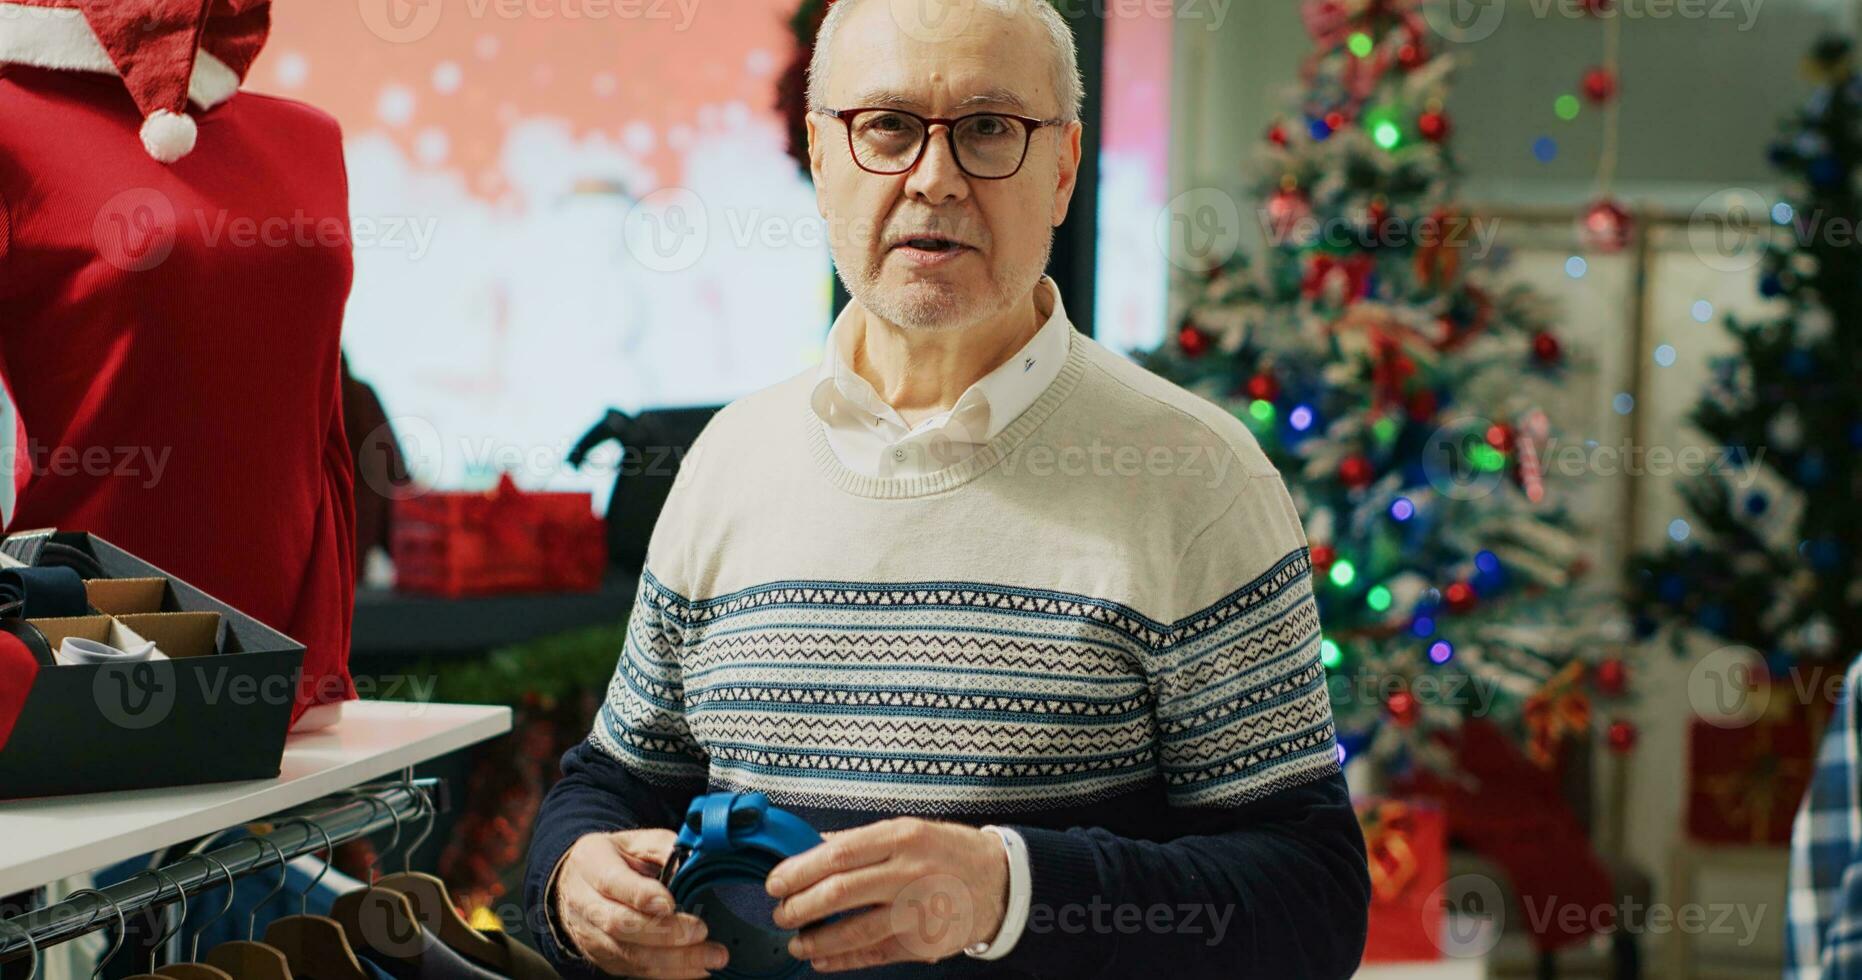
{"x": 1068, "y": 87}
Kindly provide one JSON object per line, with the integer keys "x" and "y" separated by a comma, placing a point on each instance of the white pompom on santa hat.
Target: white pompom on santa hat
{"x": 167, "y": 52}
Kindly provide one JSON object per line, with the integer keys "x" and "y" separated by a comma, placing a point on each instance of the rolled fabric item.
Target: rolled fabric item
{"x": 18, "y": 668}
{"x": 77, "y": 650}
{"x": 42, "y": 592}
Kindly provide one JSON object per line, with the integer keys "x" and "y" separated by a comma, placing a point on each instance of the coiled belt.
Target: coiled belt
{"x": 727, "y": 847}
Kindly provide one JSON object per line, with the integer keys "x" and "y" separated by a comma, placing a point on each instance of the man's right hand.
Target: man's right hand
{"x": 611, "y": 905}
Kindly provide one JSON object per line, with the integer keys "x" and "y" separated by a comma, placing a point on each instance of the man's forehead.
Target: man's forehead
{"x": 996, "y": 61}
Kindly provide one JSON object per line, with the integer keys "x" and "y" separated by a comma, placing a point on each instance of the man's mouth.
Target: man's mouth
{"x": 930, "y": 243}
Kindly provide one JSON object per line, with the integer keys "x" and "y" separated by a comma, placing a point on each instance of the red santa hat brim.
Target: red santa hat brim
{"x": 166, "y": 51}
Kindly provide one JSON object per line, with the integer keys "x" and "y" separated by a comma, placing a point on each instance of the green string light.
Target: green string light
{"x": 1343, "y": 573}
{"x": 1487, "y": 459}
{"x": 1378, "y": 598}
{"x": 1330, "y": 655}
{"x": 1385, "y": 430}
{"x": 1566, "y": 106}
{"x": 1262, "y": 410}
{"x": 1360, "y": 44}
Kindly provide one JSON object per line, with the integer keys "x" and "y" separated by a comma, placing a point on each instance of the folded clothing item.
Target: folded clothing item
{"x": 40, "y": 593}
{"x": 78, "y": 650}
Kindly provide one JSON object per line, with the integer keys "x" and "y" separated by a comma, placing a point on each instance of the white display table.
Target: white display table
{"x": 54, "y": 837}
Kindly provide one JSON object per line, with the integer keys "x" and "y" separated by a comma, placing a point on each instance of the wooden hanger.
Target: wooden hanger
{"x": 434, "y": 908}
{"x": 309, "y": 947}
{"x": 379, "y": 920}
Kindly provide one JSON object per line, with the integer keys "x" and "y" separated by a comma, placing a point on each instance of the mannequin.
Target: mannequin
{"x": 174, "y": 260}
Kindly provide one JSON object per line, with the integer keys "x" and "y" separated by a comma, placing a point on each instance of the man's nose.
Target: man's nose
{"x": 937, "y": 179}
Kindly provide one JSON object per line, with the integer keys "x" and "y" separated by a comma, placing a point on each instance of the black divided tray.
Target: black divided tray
{"x": 190, "y": 719}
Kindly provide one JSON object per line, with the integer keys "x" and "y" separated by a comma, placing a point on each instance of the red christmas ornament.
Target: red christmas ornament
{"x": 1335, "y": 120}
{"x": 1422, "y": 405}
{"x": 1501, "y": 437}
{"x": 1605, "y": 226}
{"x": 1402, "y": 708}
{"x": 1264, "y": 387}
{"x": 1277, "y": 135}
{"x": 1599, "y": 84}
{"x": 1286, "y": 208}
{"x": 1460, "y": 597}
{"x": 1622, "y": 736}
{"x": 1193, "y": 341}
{"x": 1411, "y": 56}
{"x": 1612, "y": 677}
{"x": 1322, "y": 557}
{"x": 1545, "y": 347}
{"x": 1355, "y": 471}
{"x": 1433, "y": 126}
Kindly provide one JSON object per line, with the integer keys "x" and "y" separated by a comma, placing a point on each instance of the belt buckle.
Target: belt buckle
{"x": 673, "y": 863}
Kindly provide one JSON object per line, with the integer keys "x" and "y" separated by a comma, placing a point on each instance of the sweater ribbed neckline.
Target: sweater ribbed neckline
{"x": 963, "y": 471}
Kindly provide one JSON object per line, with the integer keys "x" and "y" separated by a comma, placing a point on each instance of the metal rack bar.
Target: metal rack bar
{"x": 344, "y": 820}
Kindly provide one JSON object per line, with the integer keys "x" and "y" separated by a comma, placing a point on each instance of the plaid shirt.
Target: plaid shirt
{"x": 1823, "y": 927}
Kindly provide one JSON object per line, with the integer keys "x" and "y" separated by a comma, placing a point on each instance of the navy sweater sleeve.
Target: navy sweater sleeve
{"x": 1274, "y": 889}
{"x": 595, "y": 795}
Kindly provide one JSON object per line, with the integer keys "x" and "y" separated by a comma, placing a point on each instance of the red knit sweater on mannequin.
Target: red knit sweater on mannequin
{"x": 169, "y": 335}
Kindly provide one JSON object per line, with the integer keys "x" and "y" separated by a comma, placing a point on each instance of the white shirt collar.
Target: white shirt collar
{"x": 841, "y": 396}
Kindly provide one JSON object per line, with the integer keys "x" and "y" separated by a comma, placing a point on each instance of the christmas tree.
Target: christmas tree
{"x": 1379, "y": 361}
{"x": 1771, "y": 557}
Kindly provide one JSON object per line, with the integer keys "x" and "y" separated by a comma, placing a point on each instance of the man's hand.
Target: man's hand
{"x": 935, "y": 888}
{"x": 611, "y": 904}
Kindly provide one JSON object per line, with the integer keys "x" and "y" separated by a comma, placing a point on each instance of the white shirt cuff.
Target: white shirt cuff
{"x": 1021, "y": 896}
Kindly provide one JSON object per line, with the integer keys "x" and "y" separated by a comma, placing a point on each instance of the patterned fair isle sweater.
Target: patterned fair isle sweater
{"x": 1099, "y": 629}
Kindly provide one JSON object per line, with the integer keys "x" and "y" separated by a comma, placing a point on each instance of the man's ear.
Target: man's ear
{"x": 1069, "y": 169}
{"x": 815, "y": 152}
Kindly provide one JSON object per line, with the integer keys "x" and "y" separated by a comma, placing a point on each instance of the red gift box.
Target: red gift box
{"x": 1407, "y": 845}
{"x": 1746, "y": 778}
{"x": 503, "y": 540}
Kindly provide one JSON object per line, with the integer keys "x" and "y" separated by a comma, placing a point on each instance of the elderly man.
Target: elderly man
{"x": 1028, "y": 630}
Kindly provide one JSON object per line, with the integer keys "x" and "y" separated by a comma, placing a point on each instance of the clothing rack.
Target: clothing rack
{"x": 309, "y": 829}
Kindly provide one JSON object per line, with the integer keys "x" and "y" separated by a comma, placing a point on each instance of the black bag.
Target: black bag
{"x": 653, "y": 444}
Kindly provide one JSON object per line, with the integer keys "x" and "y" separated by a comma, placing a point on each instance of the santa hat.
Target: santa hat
{"x": 166, "y": 51}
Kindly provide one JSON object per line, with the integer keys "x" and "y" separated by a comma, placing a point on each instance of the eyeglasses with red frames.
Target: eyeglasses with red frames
{"x": 986, "y": 145}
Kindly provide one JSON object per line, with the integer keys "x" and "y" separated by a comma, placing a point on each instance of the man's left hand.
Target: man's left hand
{"x": 933, "y": 888}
